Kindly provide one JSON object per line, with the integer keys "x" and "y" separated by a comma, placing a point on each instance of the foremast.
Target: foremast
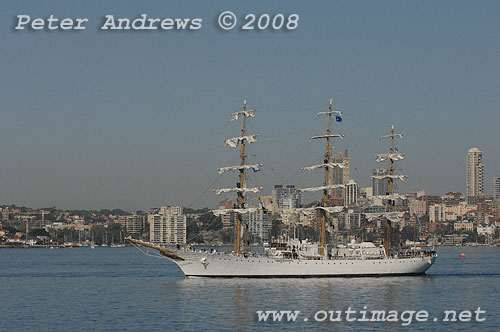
{"x": 326, "y": 165}
{"x": 240, "y": 189}
{"x": 393, "y": 156}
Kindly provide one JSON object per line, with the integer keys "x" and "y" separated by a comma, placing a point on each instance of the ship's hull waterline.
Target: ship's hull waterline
{"x": 197, "y": 264}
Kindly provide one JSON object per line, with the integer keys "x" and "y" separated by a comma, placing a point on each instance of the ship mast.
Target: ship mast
{"x": 242, "y": 179}
{"x": 240, "y": 189}
{"x": 326, "y": 165}
{"x": 325, "y": 191}
{"x": 392, "y": 156}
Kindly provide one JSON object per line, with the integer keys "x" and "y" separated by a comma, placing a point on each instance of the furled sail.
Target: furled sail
{"x": 255, "y": 167}
{"x": 393, "y": 156}
{"x": 325, "y": 113}
{"x": 233, "y": 142}
{"x": 330, "y": 165}
{"x": 312, "y": 210}
{"x": 390, "y": 135}
{"x": 219, "y": 212}
{"x": 389, "y": 176}
{"x": 392, "y": 196}
{"x": 326, "y": 136}
{"x": 248, "y": 114}
{"x": 332, "y": 186}
{"x": 392, "y": 216}
{"x": 239, "y": 190}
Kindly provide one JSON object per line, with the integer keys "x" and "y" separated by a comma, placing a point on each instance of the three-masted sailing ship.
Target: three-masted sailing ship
{"x": 305, "y": 259}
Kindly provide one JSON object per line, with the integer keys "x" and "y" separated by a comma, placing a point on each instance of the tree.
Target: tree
{"x": 407, "y": 234}
{"x": 276, "y": 229}
{"x": 227, "y": 236}
{"x": 192, "y": 229}
{"x": 210, "y": 222}
{"x": 38, "y": 232}
{"x": 97, "y": 234}
{"x": 119, "y": 212}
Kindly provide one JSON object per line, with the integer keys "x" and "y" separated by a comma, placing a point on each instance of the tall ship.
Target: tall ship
{"x": 295, "y": 258}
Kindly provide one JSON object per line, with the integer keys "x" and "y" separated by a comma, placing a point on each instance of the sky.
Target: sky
{"x": 98, "y": 119}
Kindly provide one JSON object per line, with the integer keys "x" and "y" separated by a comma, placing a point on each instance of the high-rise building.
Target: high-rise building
{"x": 475, "y": 176}
{"x": 132, "y": 224}
{"x": 339, "y": 175}
{"x": 418, "y": 206}
{"x": 168, "y": 226}
{"x": 496, "y": 187}
{"x": 380, "y": 186}
{"x": 287, "y": 198}
{"x": 257, "y": 224}
{"x": 351, "y": 193}
{"x": 228, "y": 219}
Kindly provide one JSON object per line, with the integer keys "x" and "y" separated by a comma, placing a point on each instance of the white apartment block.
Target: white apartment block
{"x": 464, "y": 226}
{"x": 351, "y": 193}
{"x": 168, "y": 226}
{"x": 496, "y": 187}
{"x": 475, "y": 175}
{"x": 486, "y": 229}
{"x": 132, "y": 224}
{"x": 258, "y": 224}
{"x": 417, "y": 206}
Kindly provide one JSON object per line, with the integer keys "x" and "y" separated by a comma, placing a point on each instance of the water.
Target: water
{"x": 120, "y": 289}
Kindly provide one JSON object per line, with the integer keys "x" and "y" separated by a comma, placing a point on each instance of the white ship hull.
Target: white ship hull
{"x": 199, "y": 264}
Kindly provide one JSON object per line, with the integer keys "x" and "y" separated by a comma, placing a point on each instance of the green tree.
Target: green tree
{"x": 38, "y": 232}
{"x": 210, "y": 222}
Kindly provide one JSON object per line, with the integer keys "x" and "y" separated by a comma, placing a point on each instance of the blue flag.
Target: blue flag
{"x": 255, "y": 170}
{"x": 338, "y": 118}
{"x": 396, "y": 149}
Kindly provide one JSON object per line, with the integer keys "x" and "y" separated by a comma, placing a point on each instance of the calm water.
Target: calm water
{"x": 120, "y": 289}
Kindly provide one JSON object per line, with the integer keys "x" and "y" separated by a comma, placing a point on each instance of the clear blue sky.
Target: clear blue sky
{"x": 132, "y": 120}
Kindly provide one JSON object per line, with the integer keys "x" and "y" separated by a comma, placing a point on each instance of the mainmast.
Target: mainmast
{"x": 240, "y": 189}
{"x": 327, "y": 165}
{"x": 392, "y": 156}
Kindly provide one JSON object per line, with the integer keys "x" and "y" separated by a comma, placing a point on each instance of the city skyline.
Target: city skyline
{"x": 134, "y": 120}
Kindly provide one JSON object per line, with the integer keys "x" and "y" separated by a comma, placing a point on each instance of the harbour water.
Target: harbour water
{"x": 120, "y": 289}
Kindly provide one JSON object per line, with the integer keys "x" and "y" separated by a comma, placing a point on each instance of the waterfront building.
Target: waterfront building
{"x": 496, "y": 187}
{"x": 339, "y": 175}
{"x": 287, "y": 197}
{"x": 444, "y": 213}
{"x": 168, "y": 226}
{"x": 474, "y": 176}
{"x": 418, "y": 206}
{"x": 348, "y": 220}
{"x": 133, "y": 224}
{"x": 380, "y": 186}
{"x": 486, "y": 229}
{"x": 258, "y": 224}
{"x": 289, "y": 217}
{"x": 228, "y": 219}
{"x": 463, "y": 225}
{"x": 178, "y": 210}
{"x": 366, "y": 192}
{"x": 269, "y": 204}
{"x": 452, "y": 198}
{"x": 351, "y": 193}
